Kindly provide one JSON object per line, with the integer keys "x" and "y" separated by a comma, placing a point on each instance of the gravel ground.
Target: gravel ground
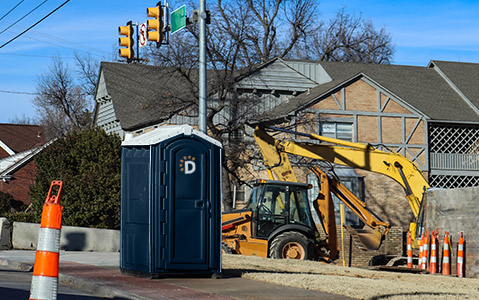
{"x": 352, "y": 282}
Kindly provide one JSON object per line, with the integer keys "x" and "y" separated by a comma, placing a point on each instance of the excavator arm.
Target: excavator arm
{"x": 356, "y": 155}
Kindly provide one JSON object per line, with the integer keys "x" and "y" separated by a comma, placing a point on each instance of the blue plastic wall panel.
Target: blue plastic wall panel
{"x": 135, "y": 209}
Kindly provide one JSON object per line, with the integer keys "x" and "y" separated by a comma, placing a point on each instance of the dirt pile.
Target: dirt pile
{"x": 352, "y": 282}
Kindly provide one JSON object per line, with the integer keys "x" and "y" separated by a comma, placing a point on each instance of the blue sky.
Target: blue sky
{"x": 421, "y": 31}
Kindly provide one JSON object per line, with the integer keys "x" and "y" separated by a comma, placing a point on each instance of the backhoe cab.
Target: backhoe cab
{"x": 276, "y": 223}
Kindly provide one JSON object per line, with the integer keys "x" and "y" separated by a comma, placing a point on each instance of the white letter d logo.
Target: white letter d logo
{"x": 190, "y": 167}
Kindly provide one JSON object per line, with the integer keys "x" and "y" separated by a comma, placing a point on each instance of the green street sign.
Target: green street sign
{"x": 178, "y": 19}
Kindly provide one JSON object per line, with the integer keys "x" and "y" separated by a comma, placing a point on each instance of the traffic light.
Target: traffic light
{"x": 155, "y": 26}
{"x": 126, "y": 41}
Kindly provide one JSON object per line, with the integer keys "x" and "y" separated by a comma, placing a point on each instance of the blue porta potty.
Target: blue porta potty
{"x": 171, "y": 202}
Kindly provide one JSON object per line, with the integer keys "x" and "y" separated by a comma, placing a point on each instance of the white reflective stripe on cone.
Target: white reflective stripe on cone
{"x": 460, "y": 260}
{"x": 44, "y": 287}
{"x": 461, "y": 247}
{"x": 446, "y": 259}
{"x": 49, "y": 240}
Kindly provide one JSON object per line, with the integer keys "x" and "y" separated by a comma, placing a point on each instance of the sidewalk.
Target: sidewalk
{"x": 98, "y": 273}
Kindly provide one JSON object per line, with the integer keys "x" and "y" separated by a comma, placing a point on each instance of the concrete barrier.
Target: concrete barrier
{"x": 25, "y": 236}
{"x": 456, "y": 211}
{"x": 5, "y": 241}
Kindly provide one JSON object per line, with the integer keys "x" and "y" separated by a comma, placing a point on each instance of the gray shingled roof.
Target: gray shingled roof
{"x": 144, "y": 95}
{"x": 420, "y": 88}
{"x": 465, "y": 76}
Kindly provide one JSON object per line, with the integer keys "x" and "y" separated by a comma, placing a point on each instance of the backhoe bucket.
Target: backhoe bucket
{"x": 366, "y": 238}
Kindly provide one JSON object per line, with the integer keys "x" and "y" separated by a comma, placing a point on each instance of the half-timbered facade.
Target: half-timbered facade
{"x": 428, "y": 114}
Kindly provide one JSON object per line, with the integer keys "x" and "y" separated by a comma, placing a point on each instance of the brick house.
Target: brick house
{"x": 18, "y": 146}
{"x": 428, "y": 114}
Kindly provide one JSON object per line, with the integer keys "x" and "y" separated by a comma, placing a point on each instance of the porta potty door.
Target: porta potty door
{"x": 187, "y": 205}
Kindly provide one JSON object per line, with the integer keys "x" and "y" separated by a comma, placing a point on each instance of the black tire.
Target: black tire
{"x": 291, "y": 245}
{"x": 225, "y": 249}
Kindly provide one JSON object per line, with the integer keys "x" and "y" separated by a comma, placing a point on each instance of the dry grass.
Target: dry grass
{"x": 352, "y": 282}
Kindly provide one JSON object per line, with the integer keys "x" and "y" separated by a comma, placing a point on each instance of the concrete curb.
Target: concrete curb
{"x": 93, "y": 287}
{"x": 16, "y": 265}
{"x": 96, "y": 289}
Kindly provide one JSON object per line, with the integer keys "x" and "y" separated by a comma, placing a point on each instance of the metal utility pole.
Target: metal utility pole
{"x": 202, "y": 75}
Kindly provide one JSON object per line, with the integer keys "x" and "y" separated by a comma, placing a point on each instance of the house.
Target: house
{"x": 18, "y": 146}
{"x": 429, "y": 114}
{"x": 133, "y": 98}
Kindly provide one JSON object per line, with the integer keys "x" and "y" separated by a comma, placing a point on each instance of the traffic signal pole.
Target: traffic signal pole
{"x": 202, "y": 75}
{"x": 137, "y": 42}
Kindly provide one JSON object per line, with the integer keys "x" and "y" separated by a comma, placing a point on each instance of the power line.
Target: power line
{"x": 11, "y": 10}
{"x": 78, "y": 45}
{"x": 66, "y": 47}
{"x": 17, "y": 92}
{"x": 23, "y": 16}
{"x": 88, "y": 50}
{"x": 36, "y": 55}
{"x": 35, "y": 24}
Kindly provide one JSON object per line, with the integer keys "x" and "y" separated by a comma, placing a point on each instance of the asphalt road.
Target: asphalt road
{"x": 15, "y": 285}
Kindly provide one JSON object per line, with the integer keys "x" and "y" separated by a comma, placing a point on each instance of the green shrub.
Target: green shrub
{"x": 27, "y": 217}
{"x": 5, "y": 202}
{"x": 88, "y": 164}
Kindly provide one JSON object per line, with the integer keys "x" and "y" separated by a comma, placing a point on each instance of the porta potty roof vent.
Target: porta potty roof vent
{"x": 165, "y": 132}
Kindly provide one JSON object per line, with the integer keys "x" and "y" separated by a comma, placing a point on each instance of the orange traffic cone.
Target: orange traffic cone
{"x": 433, "y": 259}
{"x": 460, "y": 268}
{"x": 409, "y": 250}
{"x": 446, "y": 256}
{"x": 421, "y": 249}
{"x": 425, "y": 250}
{"x": 45, "y": 270}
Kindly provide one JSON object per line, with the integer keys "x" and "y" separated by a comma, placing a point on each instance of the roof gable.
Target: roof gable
{"x": 143, "y": 95}
{"x": 310, "y": 69}
{"x": 276, "y": 75}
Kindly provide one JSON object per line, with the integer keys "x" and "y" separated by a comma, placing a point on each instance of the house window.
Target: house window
{"x": 337, "y": 130}
{"x": 354, "y": 183}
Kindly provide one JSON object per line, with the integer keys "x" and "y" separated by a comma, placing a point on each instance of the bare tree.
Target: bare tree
{"x": 24, "y": 119}
{"x": 243, "y": 34}
{"x": 62, "y": 104}
{"x": 350, "y": 39}
{"x": 264, "y": 29}
{"x": 87, "y": 70}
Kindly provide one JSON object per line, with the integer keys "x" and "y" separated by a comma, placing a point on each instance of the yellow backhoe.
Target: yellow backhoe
{"x": 277, "y": 221}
